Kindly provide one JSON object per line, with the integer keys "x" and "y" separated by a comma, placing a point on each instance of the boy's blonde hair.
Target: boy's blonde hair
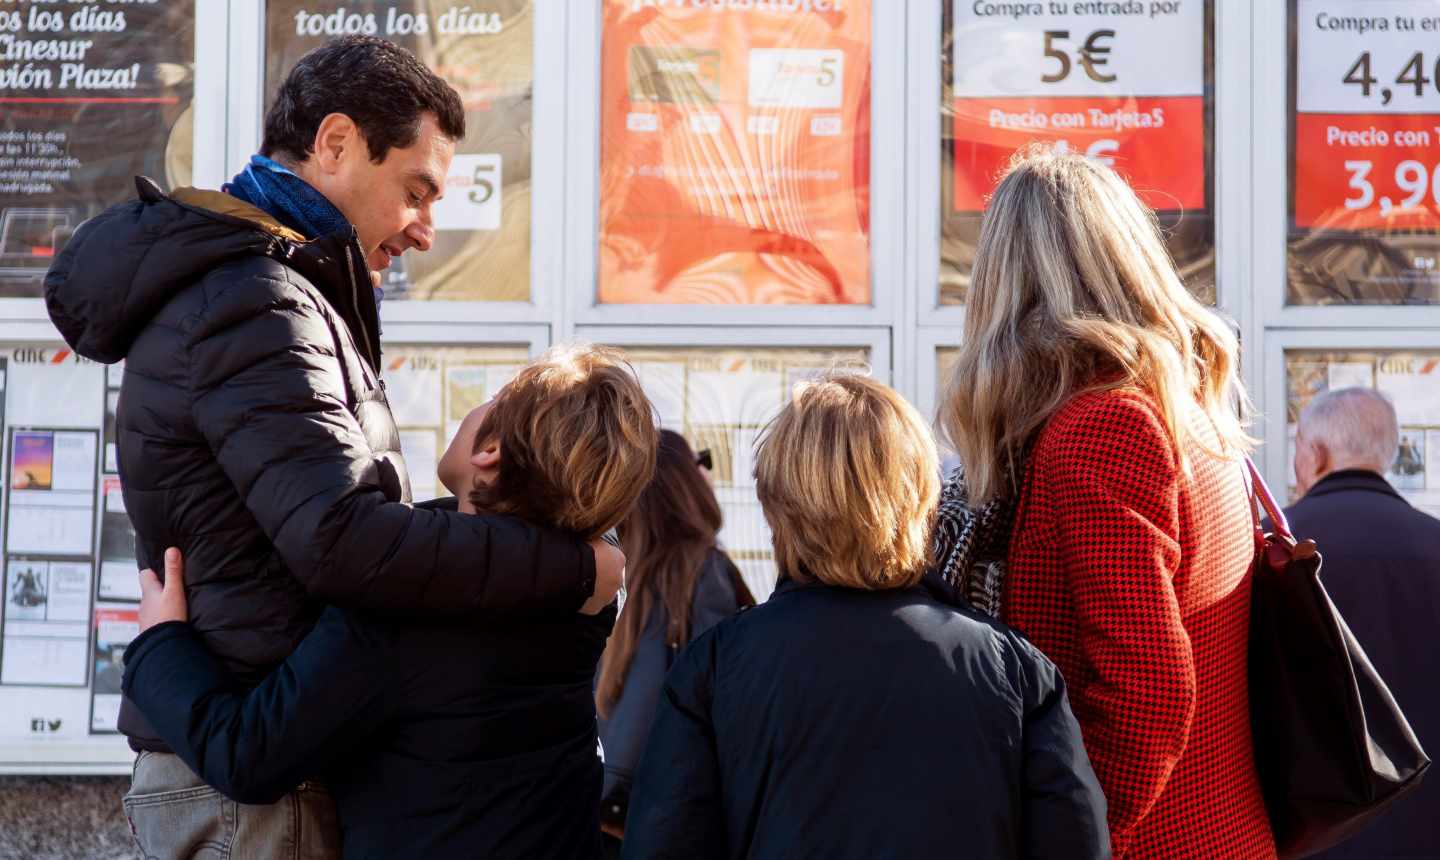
{"x": 577, "y": 441}
{"x": 848, "y": 478}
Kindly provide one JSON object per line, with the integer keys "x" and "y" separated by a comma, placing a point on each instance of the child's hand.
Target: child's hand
{"x": 161, "y": 603}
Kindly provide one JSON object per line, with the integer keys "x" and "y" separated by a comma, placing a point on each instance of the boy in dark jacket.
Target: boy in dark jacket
{"x": 854, "y": 714}
{"x": 436, "y": 740}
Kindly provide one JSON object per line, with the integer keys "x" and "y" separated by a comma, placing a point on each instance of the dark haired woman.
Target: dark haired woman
{"x": 678, "y": 584}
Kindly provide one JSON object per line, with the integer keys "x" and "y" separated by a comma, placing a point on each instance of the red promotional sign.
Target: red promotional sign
{"x": 1128, "y": 84}
{"x": 1365, "y": 189}
{"x": 1361, "y": 172}
{"x": 1157, "y": 144}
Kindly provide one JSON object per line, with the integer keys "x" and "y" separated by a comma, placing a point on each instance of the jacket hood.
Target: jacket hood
{"x": 122, "y": 266}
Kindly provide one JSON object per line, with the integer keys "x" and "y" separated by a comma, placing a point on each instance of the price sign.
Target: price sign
{"x": 1125, "y": 87}
{"x": 472, "y": 194}
{"x": 1366, "y": 150}
{"x": 798, "y": 79}
{"x": 1367, "y": 118}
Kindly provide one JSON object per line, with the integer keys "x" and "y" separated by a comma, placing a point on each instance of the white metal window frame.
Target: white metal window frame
{"x": 875, "y": 340}
{"x": 928, "y": 343}
{"x": 1272, "y": 192}
{"x": 1275, "y": 453}
{"x": 246, "y": 112}
{"x": 96, "y": 755}
{"x": 535, "y": 338}
{"x": 887, "y": 189}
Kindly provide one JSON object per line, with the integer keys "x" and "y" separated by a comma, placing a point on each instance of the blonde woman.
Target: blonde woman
{"x": 832, "y": 720}
{"x": 1101, "y": 507}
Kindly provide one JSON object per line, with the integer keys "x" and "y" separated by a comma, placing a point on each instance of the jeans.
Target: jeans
{"x": 174, "y": 814}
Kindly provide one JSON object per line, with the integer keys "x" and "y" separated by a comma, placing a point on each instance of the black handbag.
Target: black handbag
{"x": 1332, "y": 748}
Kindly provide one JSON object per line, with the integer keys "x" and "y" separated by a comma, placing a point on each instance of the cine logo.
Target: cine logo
{"x": 1093, "y": 56}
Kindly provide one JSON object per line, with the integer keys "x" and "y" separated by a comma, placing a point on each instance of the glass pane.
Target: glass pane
{"x": 1411, "y": 379}
{"x": 735, "y": 153}
{"x": 720, "y": 399}
{"x": 485, "y": 49}
{"x": 1364, "y": 219}
{"x": 432, "y": 389}
{"x": 1136, "y": 92}
{"x": 90, "y": 97}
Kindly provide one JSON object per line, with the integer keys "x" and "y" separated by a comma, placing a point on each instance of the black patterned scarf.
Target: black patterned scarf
{"x": 970, "y": 544}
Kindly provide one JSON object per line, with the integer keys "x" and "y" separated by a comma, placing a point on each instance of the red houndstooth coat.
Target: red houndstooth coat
{"x": 1133, "y": 577}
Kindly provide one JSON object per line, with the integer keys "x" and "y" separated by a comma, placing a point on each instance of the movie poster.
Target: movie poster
{"x": 115, "y": 627}
{"x": 1364, "y": 221}
{"x": 1130, "y": 84}
{"x": 91, "y": 95}
{"x": 485, "y": 50}
{"x": 720, "y": 399}
{"x": 735, "y": 152}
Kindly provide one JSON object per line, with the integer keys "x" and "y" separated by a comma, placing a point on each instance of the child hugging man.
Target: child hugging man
{"x": 465, "y": 739}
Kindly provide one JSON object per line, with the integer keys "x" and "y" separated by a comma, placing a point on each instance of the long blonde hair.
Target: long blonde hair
{"x": 1073, "y": 290}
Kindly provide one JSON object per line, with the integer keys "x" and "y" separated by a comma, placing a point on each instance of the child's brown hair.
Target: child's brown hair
{"x": 577, "y": 441}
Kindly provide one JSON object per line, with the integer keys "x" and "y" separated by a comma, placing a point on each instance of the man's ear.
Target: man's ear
{"x": 488, "y": 457}
{"x": 1322, "y": 458}
{"x": 335, "y": 139}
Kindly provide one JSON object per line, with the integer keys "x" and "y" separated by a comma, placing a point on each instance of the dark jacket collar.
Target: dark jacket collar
{"x": 932, "y": 585}
{"x": 1352, "y": 479}
{"x": 122, "y": 266}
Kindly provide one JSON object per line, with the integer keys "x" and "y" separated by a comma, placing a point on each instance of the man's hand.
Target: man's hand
{"x": 609, "y": 576}
{"x": 161, "y": 603}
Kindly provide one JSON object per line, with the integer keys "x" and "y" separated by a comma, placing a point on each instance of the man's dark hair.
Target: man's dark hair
{"x": 383, "y": 87}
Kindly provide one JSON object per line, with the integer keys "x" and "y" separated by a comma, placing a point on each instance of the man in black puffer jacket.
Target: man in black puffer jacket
{"x": 253, "y": 428}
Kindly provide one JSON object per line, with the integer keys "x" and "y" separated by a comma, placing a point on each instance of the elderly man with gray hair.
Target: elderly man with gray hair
{"x": 1382, "y": 570}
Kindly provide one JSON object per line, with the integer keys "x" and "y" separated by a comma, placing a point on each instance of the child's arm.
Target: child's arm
{"x": 256, "y": 746}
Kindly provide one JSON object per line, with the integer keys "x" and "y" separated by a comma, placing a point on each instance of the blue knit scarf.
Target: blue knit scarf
{"x": 270, "y": 186}
{"x": 267, "y": 185}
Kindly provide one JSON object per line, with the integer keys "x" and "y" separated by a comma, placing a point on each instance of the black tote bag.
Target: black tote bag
{"x": 1332, "y": 748}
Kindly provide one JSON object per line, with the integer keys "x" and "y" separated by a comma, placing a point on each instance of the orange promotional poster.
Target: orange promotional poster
{"x": 1121, "y": 82}
{"x": 735, "y": 152}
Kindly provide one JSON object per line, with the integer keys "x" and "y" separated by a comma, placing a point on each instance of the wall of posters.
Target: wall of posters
{"x": 485, "y": 49}
{"x": 1128, "y": 83}
{"x": 1365, "y": 128}
{"x": 1411, "y": 379}
{"x": 432, "y": 389}
{"x": 91, "y": 95}
{"x": 720, "y": 399}
{"x": 52, "y": 413}
{"x": 735, "y": 152}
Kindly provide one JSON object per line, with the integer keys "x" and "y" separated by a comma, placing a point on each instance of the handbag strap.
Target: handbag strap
{"x": 1260, "y": 497}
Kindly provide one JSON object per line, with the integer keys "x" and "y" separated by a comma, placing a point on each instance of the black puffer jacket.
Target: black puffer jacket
{"x": 254, "y": 433}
